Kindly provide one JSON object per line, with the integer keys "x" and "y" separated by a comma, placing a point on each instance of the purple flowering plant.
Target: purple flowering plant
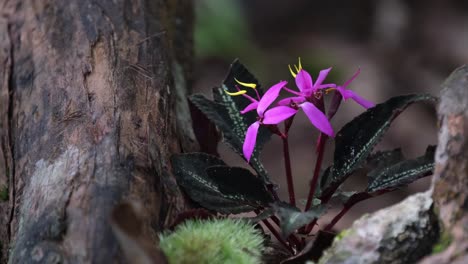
{"x": 246, "y": 117}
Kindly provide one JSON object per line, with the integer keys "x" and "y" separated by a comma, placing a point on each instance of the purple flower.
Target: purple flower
{"x": 304, "y": 81}
{"x": 351, "y": 94}
{"x": 307, "y": 89}
{"x": 266, "y": 116}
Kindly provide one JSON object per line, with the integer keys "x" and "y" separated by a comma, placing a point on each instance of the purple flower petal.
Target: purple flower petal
{"x": 250, "y": 139}
{"x": 357, "y": 98}
{"x": 250, "y": 98}
{"x": 317, "y": 118}
{"x": 322, "y": 75}
{"x": 277, "y": 114}
{"x": 292, "y": 91}
{"x": 365, "y": 103}
{"x": 269, "y": 97}
{"x": 345, "y": 93}
{"x": 328, "y": 85}
{"x": 295, "y": 99}
{"x": 352, "y": 78}
{"x": 250, "y": 107}
{"x": 304, "y": 81}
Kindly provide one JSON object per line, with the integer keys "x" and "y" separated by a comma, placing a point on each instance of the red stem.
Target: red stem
{"x": 277, "y": 235}
{"x": 287, "y": 165}
{"x": 313, "y": 185}
{"x": 335, "y": 104}
{"x": 275, "y": 219}
{"x": 292, "y": 237}
{"x": 350, "y": 203}
{"x": 318, "y": 164}
{"x": 324, "y": 200}
{"x": 337, "y": 217}
{"x": 311, "y": 226}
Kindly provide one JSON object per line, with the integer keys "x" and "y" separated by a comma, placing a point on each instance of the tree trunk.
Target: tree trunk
{"x": 92, "y": 105}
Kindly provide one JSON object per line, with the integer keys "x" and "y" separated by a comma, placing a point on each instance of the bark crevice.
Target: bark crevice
{"x": 11, "y": 145}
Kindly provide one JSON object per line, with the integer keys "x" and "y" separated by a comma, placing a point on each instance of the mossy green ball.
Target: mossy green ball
{"x": 213, "y": 241}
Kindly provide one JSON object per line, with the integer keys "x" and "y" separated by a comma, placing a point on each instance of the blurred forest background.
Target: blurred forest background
{"x": 401, "y": 46}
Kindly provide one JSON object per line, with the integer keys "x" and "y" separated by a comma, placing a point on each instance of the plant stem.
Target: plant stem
{"x": 337, "y": 218}
{"x": 275, "y": 219}
{"x": 335, "y": 104}
{"x": 318, "y": 164}
{"x": 356, "y": 198}
{"x": 287, "y": 165}
{"x": 277, "y": 235}
{"x": 311, "y": 226}
{"x": 294, "y": 240}
{"x": 313, "y": 185}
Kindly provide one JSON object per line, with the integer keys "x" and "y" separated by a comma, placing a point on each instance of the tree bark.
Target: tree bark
{"x": 92, "y": 105}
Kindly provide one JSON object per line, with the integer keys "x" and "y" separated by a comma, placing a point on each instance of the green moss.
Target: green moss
{"x": 342, "y": 234}
{"x": 3, "y": 194}
{"x": 213, "y": 241}
{"x": 444, "y": 242}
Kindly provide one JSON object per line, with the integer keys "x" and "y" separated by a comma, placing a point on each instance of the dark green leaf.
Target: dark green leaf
{"x": 224, "y": 112}
{"x": 205, "y": 131}
{"x": 235, "y": 104}
{"x": 240, "y": 184}
{"x": 239, "y": 126}
{"x": 241, "y": 121}
{"x": 219, "y": 115}
{"x": 263, "y": 215}
{"x": 218, "y": 187}
{"x": 323, "y": 181}
{"x": 292, "y": 218}
{"x": 239, "y": 71}
{"x": 190, "y": 171}
{"x": 355, "y": 141}
{"x": 402, "y": 173}
{"x": 342, "y": 196}
{"x": 382, "y": 159}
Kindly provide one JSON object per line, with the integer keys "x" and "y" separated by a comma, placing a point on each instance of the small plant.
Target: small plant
{"x": 213, "y": 241}
{"x": 247, "y": 117}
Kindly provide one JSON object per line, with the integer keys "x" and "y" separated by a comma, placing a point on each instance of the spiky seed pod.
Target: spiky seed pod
{"x": 213, "y": 241}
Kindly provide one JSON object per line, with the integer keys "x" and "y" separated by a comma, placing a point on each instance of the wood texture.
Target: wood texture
{"x": 92, "y": 106}
{"x": 6, "y": 160}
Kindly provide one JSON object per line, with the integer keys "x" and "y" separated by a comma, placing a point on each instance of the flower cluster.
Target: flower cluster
{"x": 306, "y": 98}
{"x": 225, "y": 190}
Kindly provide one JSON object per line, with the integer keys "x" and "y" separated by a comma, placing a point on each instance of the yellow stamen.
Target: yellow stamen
{"x": 251, "y": 85}
{"x": 296, "y": 67}
{"x": 292, "y": 73}
{"x": 236, "y": 93}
